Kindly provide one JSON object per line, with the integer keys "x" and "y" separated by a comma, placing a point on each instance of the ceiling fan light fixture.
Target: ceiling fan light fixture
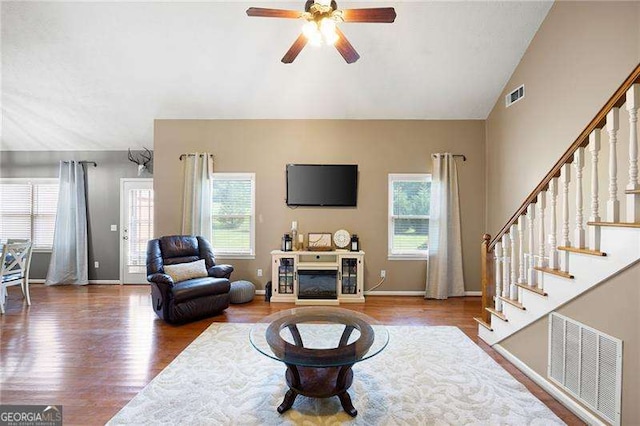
{"x": 328, "y": 30}
{"x": 321, "y": 17}
{"x": 312, "y": 33}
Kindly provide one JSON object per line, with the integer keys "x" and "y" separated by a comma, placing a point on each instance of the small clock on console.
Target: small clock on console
{"x": 342, "y": 239}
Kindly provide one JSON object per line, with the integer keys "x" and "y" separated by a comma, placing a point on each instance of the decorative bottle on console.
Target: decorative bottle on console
{"x": 294, "y": 235}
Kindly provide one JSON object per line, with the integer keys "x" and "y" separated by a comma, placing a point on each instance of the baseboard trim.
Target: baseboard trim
{"x": 260, "y": 292}
{"x": 560, "y": 396}
{"x": 41, "y": 281}
{"x": 393, "y": 293}
{"x": 411, "y": 293}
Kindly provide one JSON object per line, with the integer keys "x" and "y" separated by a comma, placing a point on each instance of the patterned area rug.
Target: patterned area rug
{"x": 425, "y": 376}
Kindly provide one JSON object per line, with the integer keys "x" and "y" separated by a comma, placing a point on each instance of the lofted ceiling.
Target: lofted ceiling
{"x": 94, "y": 75}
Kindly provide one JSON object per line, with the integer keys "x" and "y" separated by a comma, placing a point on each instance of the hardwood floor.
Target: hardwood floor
{"x": 93, "y": 348}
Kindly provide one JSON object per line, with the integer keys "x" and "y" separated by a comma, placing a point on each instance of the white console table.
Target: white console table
{"x": 286, "y": 267}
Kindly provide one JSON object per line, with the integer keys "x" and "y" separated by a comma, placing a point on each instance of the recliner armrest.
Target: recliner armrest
{"x": 220, "y": 271}
{"x": 160, "y": 278}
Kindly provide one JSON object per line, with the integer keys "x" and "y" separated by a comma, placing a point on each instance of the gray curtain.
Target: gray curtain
{"x": 444, "y": 272}
{"x": 69, "y": 258}
{"x": 197, "y": 196}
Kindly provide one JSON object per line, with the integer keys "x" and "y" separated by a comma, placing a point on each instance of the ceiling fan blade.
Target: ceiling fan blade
{"x": 273, "y": 13}
{"x": 376, "y": 14}
{"x": 345, "y": 48}
{"x": 295, "y": 49}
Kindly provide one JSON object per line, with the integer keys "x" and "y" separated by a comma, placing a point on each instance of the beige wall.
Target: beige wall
{"x": 580, "y": 55}
{"x": 613, "y": 308}
{"x": 378, "y": 147}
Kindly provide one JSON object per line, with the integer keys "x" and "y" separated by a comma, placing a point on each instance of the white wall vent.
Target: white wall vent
{"x": 586, "y": 363}
{"x": 514, "y": 96}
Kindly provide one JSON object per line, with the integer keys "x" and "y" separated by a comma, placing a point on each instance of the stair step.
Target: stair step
{"x": 482, "y": 323}
{"x": 619, "y": 224}
{"x": 497, "y": 314}
{"x": 536, "y": 290}
{"x": 557, "y": 272}
{"x": 632, "y": 191}
{"x": 513, "y": 303}
{"x": 582, "y": 251}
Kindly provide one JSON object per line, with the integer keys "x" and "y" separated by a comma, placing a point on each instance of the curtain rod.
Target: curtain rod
{"x": 464, "y": 157}
{"x": 191, "y": 155}
{"x": 85, "y": 162}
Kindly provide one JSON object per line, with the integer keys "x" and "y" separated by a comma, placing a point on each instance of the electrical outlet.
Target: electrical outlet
{"x": 259, "y": 272}
{"x": 114, "y": 228}
{"x": 383, "y": 273}
{"x": 96, "y": 264}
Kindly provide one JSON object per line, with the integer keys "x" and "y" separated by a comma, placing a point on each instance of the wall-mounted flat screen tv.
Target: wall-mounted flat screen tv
{"x": 322, "y": 185}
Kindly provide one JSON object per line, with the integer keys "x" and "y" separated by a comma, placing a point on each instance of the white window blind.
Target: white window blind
{"x": 233, "y": 212}
{"x": 28, "y": 210}
{"x": 409, "y": 200}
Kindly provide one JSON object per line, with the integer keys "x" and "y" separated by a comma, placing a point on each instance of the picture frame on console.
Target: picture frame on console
{"x": 319, "y": 241}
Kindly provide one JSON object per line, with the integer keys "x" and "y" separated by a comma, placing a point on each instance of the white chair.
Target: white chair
{"x": 15, "y": 270}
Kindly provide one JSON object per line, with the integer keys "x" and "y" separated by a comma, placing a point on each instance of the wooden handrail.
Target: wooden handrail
{"x": 598, "y": 122}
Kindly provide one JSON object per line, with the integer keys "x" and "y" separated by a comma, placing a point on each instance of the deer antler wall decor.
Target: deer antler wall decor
{"x": 142, "y": 159}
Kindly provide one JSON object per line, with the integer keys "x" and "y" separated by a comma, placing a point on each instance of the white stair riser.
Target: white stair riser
{"x": 486, "y": 335}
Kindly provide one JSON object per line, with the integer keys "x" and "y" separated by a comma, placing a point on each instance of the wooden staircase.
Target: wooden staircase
{"x": 530, "y": 267}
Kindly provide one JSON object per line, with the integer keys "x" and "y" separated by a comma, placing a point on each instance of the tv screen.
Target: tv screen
{"x": 322, "y": 185}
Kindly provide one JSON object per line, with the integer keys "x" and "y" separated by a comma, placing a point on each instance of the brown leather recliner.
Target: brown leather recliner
{"x": 178, "y": 302}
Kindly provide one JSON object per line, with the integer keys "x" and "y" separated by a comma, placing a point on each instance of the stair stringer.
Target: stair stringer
{"x": 622, "y": 246}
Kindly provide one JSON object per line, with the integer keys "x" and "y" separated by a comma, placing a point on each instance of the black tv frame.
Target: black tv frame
{"x": 355, "y": 204}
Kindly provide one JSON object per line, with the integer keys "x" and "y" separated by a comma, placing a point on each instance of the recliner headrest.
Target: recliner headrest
{"x": 179, "y": 246}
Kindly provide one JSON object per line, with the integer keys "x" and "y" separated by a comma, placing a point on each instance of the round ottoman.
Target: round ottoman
{"x": 241, "y": 292}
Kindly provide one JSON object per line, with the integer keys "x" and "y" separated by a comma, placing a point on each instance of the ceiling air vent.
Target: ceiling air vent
{"x": 514, "y": 96}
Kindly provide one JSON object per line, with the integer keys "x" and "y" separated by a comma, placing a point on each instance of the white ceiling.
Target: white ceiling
{"x": 94, "y": 75}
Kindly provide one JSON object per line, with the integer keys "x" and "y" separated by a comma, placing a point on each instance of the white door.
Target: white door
{"x": 136, "y": 228}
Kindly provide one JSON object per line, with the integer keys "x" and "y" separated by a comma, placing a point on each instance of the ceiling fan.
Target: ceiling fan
{"x": 321, "y": 17}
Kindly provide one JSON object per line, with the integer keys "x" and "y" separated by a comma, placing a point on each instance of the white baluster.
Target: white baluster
{"x": 553, "y": 243}
{"x": 594, "y": 149}
{"x": 578, "y": 163}
{"x": 531, "y": 215}
{"x": 513, "y": 289}
{"x": 506, "y": 267}
{"x": 565, "y": 176}
{"x": 521, "y": 261}
{"x": 542, "y": 263}
{"x": 497, "y": 250}
{"x": 633, "y": 200}
{"x": 613, "y": 205}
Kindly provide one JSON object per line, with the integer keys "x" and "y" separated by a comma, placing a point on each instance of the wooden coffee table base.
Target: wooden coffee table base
{"x": 323, "y": 382}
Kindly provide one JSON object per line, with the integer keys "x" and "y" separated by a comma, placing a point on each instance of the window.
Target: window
{"x": 409, "y": 200}
{"x": 234, "y": 214}
{"x": 28, "y": 210}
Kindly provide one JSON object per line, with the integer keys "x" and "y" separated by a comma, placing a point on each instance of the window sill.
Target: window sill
{"x": 407, "y": 257}
{"x": 235, "y": 256}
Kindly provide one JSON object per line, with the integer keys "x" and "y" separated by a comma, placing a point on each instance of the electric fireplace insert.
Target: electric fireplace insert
{"x": 317, "y": 284}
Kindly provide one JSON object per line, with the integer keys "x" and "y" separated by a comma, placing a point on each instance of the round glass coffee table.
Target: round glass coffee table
{"x": 319, "y": 345}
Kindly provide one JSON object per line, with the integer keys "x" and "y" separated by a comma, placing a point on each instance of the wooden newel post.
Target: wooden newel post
{"x": 488, "y": 277}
